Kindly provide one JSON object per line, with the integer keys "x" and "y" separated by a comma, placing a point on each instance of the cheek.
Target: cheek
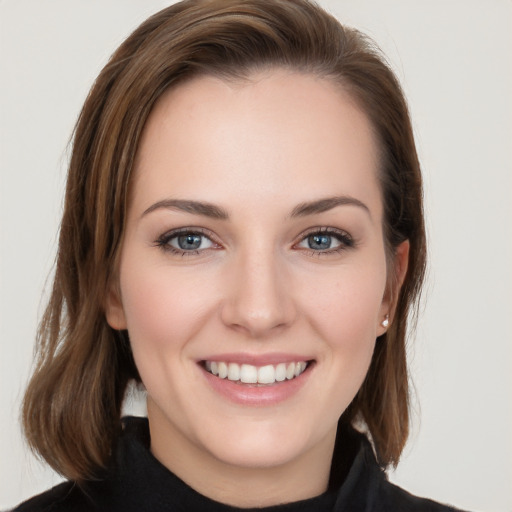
{"x": 163, "y": 309}
{"x": 349, "y": 302}
{"x": 345, "y": 313}
{"x": 351, "y": 312}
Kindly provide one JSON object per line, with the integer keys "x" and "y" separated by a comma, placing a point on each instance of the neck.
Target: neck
{"x": 304, "y": 477}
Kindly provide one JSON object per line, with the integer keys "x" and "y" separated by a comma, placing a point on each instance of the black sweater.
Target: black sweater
{"x": 137, "y": 482}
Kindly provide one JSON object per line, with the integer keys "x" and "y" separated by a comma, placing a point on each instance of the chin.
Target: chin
{"x": 260, "y": 446}
{"x": 256, "y": 456}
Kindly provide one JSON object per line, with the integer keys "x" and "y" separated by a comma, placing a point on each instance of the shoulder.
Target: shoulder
{"x": 367, "y": 487}
{"x": 104, "y": 493}
{"x": 391, "y": 498}
{"x": 67, "y": 496}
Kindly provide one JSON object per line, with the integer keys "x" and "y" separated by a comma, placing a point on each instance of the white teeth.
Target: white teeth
{"x": 299, "y": 368}
{"x": 249, "y": 374}
{"x": 233, "y": 371}
{"x": 223, "y": 370}
{"x": 266, "y": 374}
{"x": 280, "y": 372}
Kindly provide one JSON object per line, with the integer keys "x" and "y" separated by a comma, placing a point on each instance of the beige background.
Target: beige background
{"x": 454, "y": 59}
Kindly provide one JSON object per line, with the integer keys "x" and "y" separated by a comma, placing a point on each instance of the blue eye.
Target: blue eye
{"x": 326, "y": 241}
{"x": 320, "y": 242}
{"x": 183, "y": 242}
{"x": 187, "y": 242}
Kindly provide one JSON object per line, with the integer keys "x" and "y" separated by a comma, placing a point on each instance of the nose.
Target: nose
{"x": 258, "y": 299}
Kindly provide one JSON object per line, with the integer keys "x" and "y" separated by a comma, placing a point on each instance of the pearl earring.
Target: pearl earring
{"x": 385, "y": 322}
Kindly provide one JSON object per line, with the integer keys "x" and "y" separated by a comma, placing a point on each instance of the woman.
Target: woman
{"x": 243, "y": 234}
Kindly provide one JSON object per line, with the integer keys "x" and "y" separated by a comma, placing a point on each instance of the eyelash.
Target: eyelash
{"x": 163, "y": 241}
{"x": 344, "y": 238}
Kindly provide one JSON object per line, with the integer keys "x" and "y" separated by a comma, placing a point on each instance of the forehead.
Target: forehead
{"x": 281, "y": 133}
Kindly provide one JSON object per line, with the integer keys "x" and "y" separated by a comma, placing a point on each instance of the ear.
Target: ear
{"x": 398, "y": 272}
{"x": 114, "y": 311}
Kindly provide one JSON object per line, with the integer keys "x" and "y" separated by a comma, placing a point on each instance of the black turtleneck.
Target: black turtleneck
{"x": 137, "y": 482}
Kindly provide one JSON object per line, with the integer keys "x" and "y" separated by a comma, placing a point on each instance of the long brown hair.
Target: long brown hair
{"x": 72, "y": 405}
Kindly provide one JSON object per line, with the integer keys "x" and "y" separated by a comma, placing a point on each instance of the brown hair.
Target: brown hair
{"x": 72, "y": 405}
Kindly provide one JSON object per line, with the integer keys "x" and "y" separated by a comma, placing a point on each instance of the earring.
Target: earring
{"x": 385, "y": 322}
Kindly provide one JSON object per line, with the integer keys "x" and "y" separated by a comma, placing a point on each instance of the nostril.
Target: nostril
{"x": 257, "y": 299}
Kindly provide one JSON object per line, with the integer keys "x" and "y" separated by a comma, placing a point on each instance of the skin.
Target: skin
{"x": 257, "y": 149}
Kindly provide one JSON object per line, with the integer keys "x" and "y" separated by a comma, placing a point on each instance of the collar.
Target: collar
{"x": 137, "y": 481}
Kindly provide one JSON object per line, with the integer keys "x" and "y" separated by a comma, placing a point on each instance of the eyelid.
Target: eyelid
{"x": 344, "y": 237}
{"x": 163, "y": 240}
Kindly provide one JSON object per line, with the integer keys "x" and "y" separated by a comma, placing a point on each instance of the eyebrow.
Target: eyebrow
{"x": 216, "y": 212}
{"x": 326, "y": 204}
{"x": 195, "y": 207}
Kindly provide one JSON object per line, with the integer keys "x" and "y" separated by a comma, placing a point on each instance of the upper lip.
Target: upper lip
{"x": 257, "y": 359}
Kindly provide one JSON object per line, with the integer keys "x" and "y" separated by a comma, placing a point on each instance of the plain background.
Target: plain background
{"x": 454, "y": 60}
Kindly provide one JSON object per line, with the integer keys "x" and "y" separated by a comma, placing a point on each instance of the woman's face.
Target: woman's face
{"x": 252, "y": 277}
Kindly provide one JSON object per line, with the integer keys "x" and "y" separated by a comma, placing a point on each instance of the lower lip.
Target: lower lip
{"x": 257, "y": 395}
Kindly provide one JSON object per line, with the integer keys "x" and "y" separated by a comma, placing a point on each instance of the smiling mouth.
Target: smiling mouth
{"x": 249, "y": 374}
